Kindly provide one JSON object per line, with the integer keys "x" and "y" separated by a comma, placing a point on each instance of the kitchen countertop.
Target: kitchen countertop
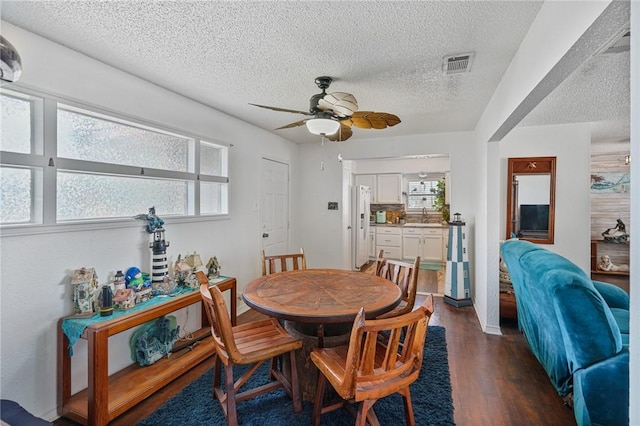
{"x": 411, "y": 225}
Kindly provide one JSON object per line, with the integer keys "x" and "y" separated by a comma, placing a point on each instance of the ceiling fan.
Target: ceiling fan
{"x": 333, "y": 114}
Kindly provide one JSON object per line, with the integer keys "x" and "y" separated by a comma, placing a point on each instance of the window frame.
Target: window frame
{"x": 44, "y": 156}
{"x": 432, "y": 177}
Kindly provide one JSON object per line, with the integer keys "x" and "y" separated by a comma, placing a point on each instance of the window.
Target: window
{"x": 16, "y": 124}
{"x": 102, "y": 166}
{"x": 421, "y": 193}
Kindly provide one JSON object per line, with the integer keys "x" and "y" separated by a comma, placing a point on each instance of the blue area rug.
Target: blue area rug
{"x": 431, "y": 396}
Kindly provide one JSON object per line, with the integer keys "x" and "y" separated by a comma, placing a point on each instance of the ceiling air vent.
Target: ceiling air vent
{"x": 457, "y": 64}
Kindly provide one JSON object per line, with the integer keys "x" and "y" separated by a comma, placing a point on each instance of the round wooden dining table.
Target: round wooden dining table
{"x": 319, "y": 306}
{"x": 321, "y": 296}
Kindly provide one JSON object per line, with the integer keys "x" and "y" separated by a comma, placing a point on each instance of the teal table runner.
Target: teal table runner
{"x": 74, "y": 327}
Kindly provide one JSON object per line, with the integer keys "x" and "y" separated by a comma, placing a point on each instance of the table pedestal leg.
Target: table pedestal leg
{"x": 307, "y": 371}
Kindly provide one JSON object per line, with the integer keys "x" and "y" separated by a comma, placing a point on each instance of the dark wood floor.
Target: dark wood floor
{"x": 495, "y": 379}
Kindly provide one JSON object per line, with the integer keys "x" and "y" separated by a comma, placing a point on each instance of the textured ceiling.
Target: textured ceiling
{"x": 387, "y": 54}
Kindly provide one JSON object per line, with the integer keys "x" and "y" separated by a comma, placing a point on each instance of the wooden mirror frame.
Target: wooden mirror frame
{"x": 530, "y": 166}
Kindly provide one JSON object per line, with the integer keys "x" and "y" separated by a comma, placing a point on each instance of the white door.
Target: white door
{"x": 274, "y": 190}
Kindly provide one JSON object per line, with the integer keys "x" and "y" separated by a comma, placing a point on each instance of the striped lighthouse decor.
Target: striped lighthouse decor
{"x": 457, "y": 282}
{"x": 159, "y": 264}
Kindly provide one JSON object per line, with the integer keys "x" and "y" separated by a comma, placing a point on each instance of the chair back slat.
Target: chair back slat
{"x": 380, "y": 261}
{"x": 218, "y": 315}
{"x": 405, "y": 276}
{"x": 283, "y": 262}
{"x": 208, "y": 306}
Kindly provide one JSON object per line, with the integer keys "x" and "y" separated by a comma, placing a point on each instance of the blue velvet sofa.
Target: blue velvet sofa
{"x": 577, "y": 328}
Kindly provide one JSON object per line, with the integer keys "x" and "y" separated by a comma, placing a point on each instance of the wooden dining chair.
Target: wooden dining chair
{"x": 283, "y": 262}
{"x": 369, "y": 368}
{"x": 380, "y": 261}
{"x": 247, "y": 344}
{"x": 405, "y": 276}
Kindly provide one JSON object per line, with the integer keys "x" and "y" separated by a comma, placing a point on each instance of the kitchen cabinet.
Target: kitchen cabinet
{"x": 385, "y": 188}
{"x": 389, "y": 239}
{"x": 389, "y": 189}
{"x": 371, "y": 182}
{"x": 428, "y": 243}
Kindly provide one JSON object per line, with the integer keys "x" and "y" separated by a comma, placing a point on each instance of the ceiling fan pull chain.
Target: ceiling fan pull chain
{"x": 322, "y": 159}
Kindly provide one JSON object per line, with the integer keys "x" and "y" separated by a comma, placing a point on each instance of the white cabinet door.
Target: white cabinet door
{"x": 389, "y": 188}
{"x": 412, "y": 246}
{"x": 432, "y": 248}
{"x": 370, "y": 181}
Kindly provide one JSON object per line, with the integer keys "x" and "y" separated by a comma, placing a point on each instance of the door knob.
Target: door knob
{"x": 265, "y": 235}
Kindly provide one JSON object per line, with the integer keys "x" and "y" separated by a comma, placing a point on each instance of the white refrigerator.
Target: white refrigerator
{"x": 361, "y": 200}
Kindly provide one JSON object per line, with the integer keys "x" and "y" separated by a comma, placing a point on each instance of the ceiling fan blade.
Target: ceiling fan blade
{"x": 373, "y": 120}
{"x": 291, "y": 125}
{"x": 342, "y": 134}
{"x": 342, "y": 104}
{"x": 295, "y": 111}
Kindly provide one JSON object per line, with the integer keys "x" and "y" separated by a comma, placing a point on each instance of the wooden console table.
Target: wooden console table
{"x": 107, "y": 397}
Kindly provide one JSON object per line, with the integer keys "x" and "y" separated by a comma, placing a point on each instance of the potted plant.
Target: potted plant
{"x": 403, "y": 217}
{"x": 439, "y": 202}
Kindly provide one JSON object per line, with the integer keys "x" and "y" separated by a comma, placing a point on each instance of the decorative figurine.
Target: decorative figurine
{"x": 85, "y": 284}
{"x": 124, "y": 299}
{"x": 181, "y": 270}
{"x": 617, "y": 234}
{"x": 106, "y": 301}
{"x": 118, "y": 281}
{"x": 195, "y": 263}
{"x": 607, "y": 266}
{"x": 165, "y": 287}
{"x": 159, "y": 267}
{"x": 135, "y": 279}
{"x": 154, "y": 340}
{"x": 153, "y": 221}
{"x": 213, "y": 268}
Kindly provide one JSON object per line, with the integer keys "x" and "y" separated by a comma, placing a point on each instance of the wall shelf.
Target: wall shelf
{"x": 612, "y": 247}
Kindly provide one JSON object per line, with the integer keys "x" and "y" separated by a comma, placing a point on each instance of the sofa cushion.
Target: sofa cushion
{"x": 622, "y": 319}
{"x": 601, "y": 393}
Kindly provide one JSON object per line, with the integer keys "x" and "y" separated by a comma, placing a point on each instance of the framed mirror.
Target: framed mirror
{"x": 531, "y": 196}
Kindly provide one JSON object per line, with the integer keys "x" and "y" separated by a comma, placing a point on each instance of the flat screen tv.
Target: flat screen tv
{"x": 534, "y": 217}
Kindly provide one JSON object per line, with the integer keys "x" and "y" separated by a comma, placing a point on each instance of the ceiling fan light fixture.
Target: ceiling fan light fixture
{"x": 322, "y": 126}
{"x": 10, "y": 62}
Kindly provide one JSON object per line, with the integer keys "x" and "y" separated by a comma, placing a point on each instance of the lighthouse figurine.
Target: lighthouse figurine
{"x": 457, "y": 282}
{"x": 159, "y": 265}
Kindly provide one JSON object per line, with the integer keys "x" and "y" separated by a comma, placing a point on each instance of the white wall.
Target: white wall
{"x": 36, "y": 268}
{"x": 570, "y": 144}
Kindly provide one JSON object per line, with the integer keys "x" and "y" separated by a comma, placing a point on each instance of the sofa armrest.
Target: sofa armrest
{"x": 601, "y": 392}
{"x": 613, "y": 295}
